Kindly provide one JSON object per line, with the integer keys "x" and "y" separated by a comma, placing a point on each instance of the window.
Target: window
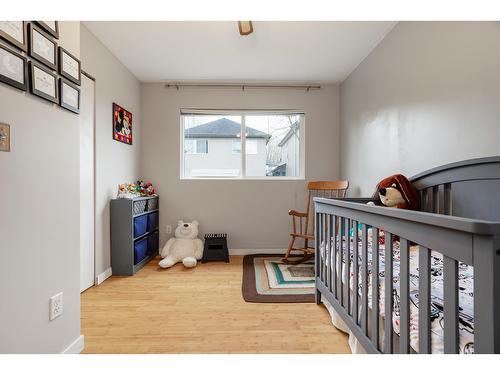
{"x": 272, "y": 142}
{"x": 196, "y": 146}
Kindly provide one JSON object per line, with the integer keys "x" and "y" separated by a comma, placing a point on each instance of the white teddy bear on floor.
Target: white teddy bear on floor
{"x": 184, "y": 247}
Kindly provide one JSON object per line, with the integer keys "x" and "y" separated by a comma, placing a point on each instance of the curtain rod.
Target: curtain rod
{"x": 243, "y": 86}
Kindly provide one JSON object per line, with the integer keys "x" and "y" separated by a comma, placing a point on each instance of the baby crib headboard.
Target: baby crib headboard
{"x": 469, "y": 188}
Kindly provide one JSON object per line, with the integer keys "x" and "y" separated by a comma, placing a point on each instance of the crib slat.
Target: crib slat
{"x": 388, "y": 330}
{"x": 429, "y": 200}
{"x": 423, "y": 199}
{"x": 375, "y": 290}
{"x": 324, "y": 224}
{"x": 317, "y": 258}
{"x": 364, "y": 280}
{"x": 435, "y": 201}
{"x": 320, "y": 241}
{"x": 323, "y": 238}
{"x": 441, "y": 189}
{"x": 330, "y": 251}
{"x": 355, "y": 273}
{"x": 447, "y": 199}
{"x": 450, "y": 294}
{"x": 341, "y": 260}
{"x": 334, "y": 255}
{"x": 424, "y": 300}
{"x": 346, "y": 266}
{"x": 404, "y": 298}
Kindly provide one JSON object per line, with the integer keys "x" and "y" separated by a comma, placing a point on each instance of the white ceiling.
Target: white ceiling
{"x": 214, "y": 51}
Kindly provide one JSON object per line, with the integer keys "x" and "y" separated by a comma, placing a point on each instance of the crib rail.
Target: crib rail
{"x": 472, "y": 242}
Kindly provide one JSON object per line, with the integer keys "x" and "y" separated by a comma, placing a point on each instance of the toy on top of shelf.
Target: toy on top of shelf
{"x": 134, "y": 190}
{"x": 146, "y": 188}
{"x": 128, "y": 191}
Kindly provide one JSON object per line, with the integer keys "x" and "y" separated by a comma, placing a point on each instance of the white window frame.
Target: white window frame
{"x": 243, "y": 114}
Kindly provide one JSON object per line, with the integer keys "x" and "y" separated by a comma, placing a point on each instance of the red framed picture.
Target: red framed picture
{"x": 122, "y": 124}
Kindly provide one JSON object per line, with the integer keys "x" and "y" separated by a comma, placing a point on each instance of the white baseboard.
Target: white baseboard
{"x": 103, "y": 276}
{"x": 75, "y": 347}
{"x": 256, "y": 251}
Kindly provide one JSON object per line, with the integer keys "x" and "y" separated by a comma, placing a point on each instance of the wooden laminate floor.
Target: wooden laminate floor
{"x": 199, "y": 310}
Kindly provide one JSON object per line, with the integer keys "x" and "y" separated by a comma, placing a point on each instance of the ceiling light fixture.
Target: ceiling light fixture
{"x": 245, "y": 27}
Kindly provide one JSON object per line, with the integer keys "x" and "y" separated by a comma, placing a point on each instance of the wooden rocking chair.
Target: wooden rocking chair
{"x": 324, "y": 189}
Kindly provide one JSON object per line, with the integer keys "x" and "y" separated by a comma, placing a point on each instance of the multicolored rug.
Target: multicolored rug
{"x": 267, "y": 279}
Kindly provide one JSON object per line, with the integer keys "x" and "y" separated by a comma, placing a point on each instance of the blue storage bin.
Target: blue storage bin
{"x": 152, "y": 221}
{"x": 140, "y": 225}
{"x": 140, "y": 250}
{"x": 153, "y": 243}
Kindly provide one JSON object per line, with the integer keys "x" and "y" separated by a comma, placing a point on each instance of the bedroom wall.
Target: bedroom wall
{"x": 428, "y": 95}
{"x": 252, "y": 212}
{"x": 39, "y": 219}
{"x": 117, "y": 162}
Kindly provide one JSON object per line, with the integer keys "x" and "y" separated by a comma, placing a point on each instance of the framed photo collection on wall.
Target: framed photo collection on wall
{"x": 51, "y": 27}
{"x": 15, "y": 33}
{"x": 42, "y": 47}
{"x": 43, "y": 82}
{"x": 69, "y": 96}
{"x": 69, "y": 66}
{"x": 31, "y": 58}
{"x": 13, "y": 68}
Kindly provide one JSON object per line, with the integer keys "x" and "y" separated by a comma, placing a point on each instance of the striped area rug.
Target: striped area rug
{"x": 267, "y": 279}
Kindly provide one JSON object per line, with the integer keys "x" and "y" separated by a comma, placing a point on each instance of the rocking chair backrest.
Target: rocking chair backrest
{"x": 323, "y": 189}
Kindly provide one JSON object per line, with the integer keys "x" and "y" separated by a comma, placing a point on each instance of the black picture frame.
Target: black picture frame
{"x": 18, "y": 85}
{"x": 48, "y": 29}
{"x": 65, "y": 74}
{"x": 63, "y": 104}
{"x": 32, "y": 28}
{"x": 10, "y": 39}
{"x": 34, "y": 90}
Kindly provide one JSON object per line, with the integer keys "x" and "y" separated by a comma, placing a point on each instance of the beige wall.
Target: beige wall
{"x": 39, "y": 219}
{"x": 253, "y": 213}
{"x": 115, "y": 162}
{"x": 429, "y": 94}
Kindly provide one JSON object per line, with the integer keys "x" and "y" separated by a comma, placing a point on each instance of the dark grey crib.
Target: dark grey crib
{"x": 459, "y": 218}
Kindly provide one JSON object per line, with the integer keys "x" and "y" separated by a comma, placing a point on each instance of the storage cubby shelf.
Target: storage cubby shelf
{"x": 145, "y": 234}
{"x": 134, "y": 233}
{"x": 145, "y": 213}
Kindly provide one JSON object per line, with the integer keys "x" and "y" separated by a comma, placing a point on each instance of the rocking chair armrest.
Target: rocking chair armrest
{"x": 297, "y": 213}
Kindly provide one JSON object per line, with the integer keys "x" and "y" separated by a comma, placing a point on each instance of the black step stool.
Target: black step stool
{"x": 215, "y": 247}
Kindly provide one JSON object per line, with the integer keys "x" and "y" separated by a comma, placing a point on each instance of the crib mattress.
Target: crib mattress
{"x": 466, "y": 292}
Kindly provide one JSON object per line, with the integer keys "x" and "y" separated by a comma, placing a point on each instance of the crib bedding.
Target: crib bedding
{"x": 466, "y": 292}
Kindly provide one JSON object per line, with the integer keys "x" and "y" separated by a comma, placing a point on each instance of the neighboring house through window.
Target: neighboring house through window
{"x": 252, "y": 146}
{"x": 213, "y": 145}
{"x": 196, "y": 146}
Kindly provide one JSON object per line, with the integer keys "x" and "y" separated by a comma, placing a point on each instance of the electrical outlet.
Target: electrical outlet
{"x": 56, "y": 306}
{"x": 168, "y": 229}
